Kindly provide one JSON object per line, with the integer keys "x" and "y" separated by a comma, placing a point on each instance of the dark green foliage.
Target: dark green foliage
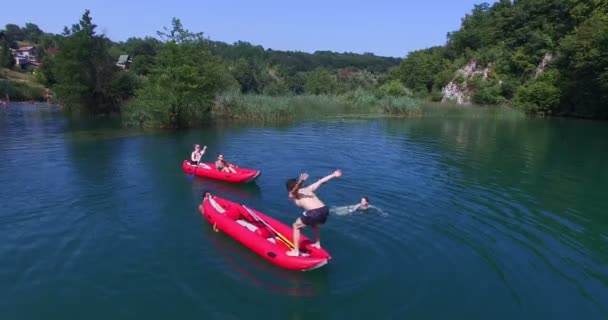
{"x": 395, "y": 88}
{"x": 511, "y": 39}
{"x": 584, "y": 61}
{"x": 320, "y": 81}
{"x": 6, "y": 58}
{"x": 13, "y": 33}
{"x": 541, "y": 95}
{"x": 83, "y": 70}
{"x": 32, "y": 33}
{"x": 301, "y": 61}
{"x": 182, "y": 84}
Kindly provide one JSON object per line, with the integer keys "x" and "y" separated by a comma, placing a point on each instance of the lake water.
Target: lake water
{"x": 481, "y": 217}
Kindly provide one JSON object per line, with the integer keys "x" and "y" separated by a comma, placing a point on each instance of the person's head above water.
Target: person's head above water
{"x": 364, "y": 202}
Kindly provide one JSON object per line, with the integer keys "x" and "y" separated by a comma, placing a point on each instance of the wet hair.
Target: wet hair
{"x": 366, "y": 199}
{"x": 290, "y": 184}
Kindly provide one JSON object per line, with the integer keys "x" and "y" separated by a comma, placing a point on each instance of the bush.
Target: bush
{"x": 395, "y": 88}
{"x": 541, "y": 95}
{"x": 239, "y": 106}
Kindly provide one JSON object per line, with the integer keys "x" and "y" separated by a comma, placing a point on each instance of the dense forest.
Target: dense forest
{"x": 542, "y": 56}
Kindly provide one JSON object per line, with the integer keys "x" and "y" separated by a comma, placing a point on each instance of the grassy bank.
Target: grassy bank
{"x": 235, "y": 106}
{"x": 19, "y": 86}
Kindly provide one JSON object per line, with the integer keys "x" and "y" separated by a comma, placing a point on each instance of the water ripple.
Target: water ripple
{"x": 478, "y": 218}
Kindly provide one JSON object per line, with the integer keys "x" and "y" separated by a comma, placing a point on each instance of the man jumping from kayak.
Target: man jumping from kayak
{"x": 316, "y": 211}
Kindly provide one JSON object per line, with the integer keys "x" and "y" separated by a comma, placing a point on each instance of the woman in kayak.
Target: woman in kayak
{"x": 224, "y": 165}
{"x": 316, "y": 211}
{"x": 197, "y": 154}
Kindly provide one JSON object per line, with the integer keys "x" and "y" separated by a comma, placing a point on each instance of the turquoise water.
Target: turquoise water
{"x": 479, "y": 217}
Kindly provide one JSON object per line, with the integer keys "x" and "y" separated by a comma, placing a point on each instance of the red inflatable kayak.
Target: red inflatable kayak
{"x": 265, "y": 236}
{"x": 208, "y": 170}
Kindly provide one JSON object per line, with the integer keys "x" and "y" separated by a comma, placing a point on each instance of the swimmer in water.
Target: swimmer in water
{"x": 362, "y": 205}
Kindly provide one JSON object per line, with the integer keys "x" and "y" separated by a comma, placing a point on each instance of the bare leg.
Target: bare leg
{"x": 317, "y": 244}
{"x": 296, "y": 237}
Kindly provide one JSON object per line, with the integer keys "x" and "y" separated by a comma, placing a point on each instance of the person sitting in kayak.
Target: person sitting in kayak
{"x": 197, "y": 154}
{"x": 316, "y": 211}
{"x": 363, "y": 205}
{"x": 224, "y": 165}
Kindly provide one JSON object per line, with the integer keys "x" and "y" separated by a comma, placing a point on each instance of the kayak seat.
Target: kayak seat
{"x": 216, "y": 205}
{"x": 247, "y": 225}
{"x": 256, "y": 228}
{"x": 232, "y": 214}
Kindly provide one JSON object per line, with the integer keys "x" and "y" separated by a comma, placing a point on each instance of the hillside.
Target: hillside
{"x": 541, "y": 56}
{"x": 266, "y": 71}
{"x": 254, "y": 69}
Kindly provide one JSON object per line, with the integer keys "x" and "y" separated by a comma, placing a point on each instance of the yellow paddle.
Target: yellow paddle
{"x": 270, "y": 227}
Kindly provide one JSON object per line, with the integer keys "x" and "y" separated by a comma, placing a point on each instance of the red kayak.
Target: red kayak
{"x": 265, "y": 236}
{"x": 208, "y": 170}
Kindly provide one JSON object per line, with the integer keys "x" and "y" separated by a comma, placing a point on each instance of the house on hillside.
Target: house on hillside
{"x": 30, "y": 53}
{"x": 25, "y": 55}
{"x": 124, "y": 61}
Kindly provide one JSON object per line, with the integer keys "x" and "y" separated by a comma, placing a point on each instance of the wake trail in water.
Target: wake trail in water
{"x": 350, "y": 209}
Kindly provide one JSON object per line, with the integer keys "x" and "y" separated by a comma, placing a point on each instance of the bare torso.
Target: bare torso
{"x": 195, "y": 156}
{"x": 307, "y": 200}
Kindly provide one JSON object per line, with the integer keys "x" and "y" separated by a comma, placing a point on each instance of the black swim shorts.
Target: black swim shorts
{"x": 315, "y": 216}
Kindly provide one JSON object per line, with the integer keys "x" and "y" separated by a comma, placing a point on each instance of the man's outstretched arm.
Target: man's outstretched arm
{"x": 313, "y": 187}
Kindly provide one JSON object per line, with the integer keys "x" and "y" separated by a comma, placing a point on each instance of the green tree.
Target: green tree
{"x": 183, "y": 82}
{"x": 31, "y": 32}
{"x": 541, "y": 95}
{"x": 13, "y": 33}
{"x": 320, "y": 81}
{"x": 395, "y": 88}
{"x": 83, "y": 70}
{"x": 6, "y": 58}
{"x": 584, "y": 61}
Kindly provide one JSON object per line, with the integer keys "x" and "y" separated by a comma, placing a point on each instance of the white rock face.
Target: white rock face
{"x": 459, "y": 89}
{"x": 460, "y": 93}
{"x": 543, "y": 64}
{"x": 453, "y": 92}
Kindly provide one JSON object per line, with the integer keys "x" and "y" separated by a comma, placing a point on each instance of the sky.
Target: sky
{"x": 386, "y": 28}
